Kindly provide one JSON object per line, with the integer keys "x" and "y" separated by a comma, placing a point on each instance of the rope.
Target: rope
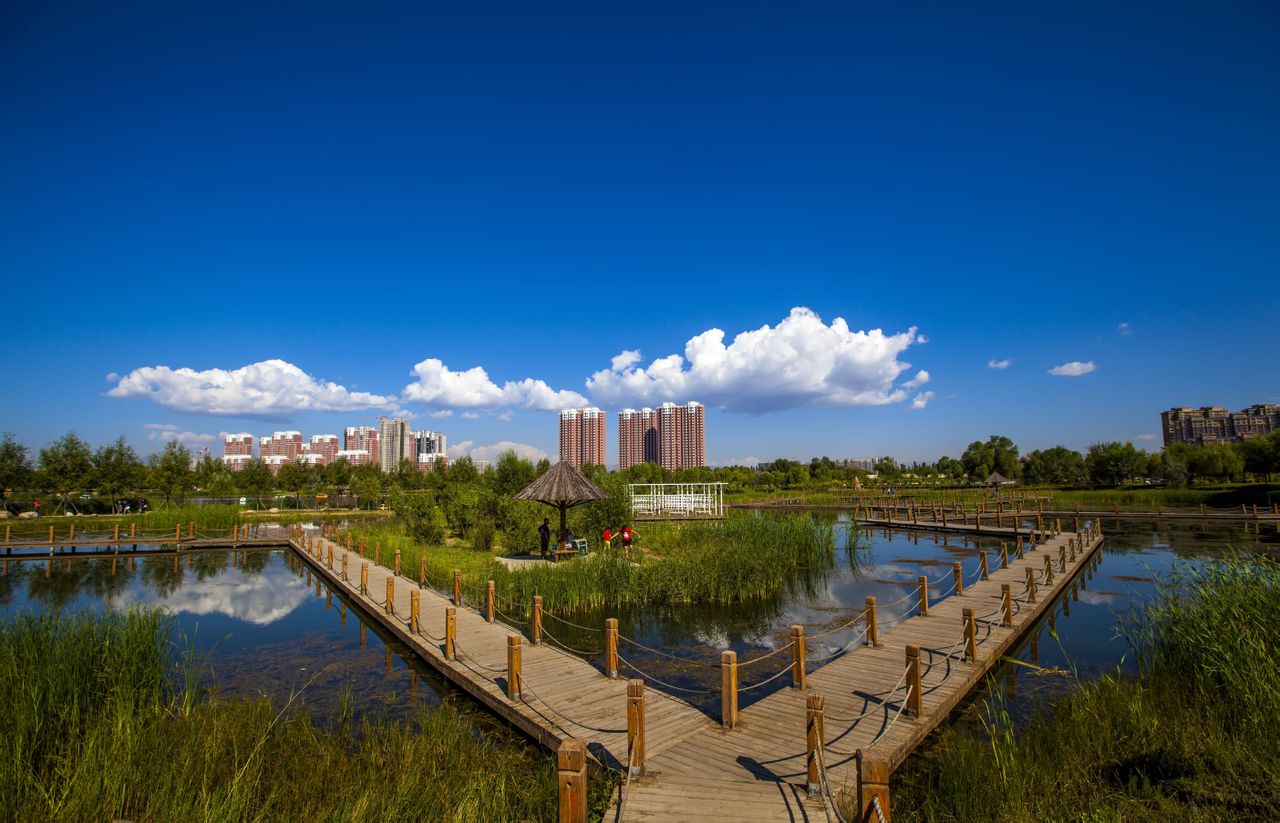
{"x": 668, "y": 654}
{"x": 857, "y": 640}
{"x": 638, "y": 670}
{"x": 525, "y": 687}
{"x": 459, "y": 648}
{"x": 901, "y": 708}
{"x": 861, "y": 616}
{"x": 828, "y": 798}
{"x": 566, "y": 646}
{"x": 767, "y": 655}
{"x": 546, "y": 613}
{"x": 767, "y": 680}
{"x": 915, "y": 592}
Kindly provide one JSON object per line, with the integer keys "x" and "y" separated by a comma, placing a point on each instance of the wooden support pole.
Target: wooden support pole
{"x": 1062, "y": 558}
{"x": 1031, "y": 585}
{"x": 191, "y": 529}
{"x": 377, "y": 553}
{"x": 729, "y": 689}
{"x": 1004, "y": 555}
{"x": 873, "y": 626}
{"x": 488, "y": 601}
{"x": 415, "y": 626}
{"x": 177, "y": 532}
{"x": 957, "y": 571}
{"x": 635, "y": 727}
{"x": 813, "y": 705}
{"x": 360, "y": 545}
{"x": 873, "y": 782}
{"x": 922, "y": 583}
{"x": 982, "y": 560}
{"x": 450, "y": 632}
{"x": 1006, "y": 595}
{"x": 391, "y": 594}
{"x": 1048, "y": 570}
{"x": 611, "y": 647}
{"x": 915, "y": 693}
{"x": 970, "y": 635}
{"x": 1019, "y": 549}
{"x": 797, "y": 656}
{"x": 513, "y": 667}
{"x": 72, "y": 534}
{"x": 571, "y": 758}
{"x": 364, "y": 576}
{"x": 457, "y": 587}
{"x": 1071, "y": 546}
{"x": 397, "y": 562}
{"x": 344, "y": 565}
{"x": 422, "y": 571}
{"x": 536, "y": 626}
{"x": 133, "y": 530}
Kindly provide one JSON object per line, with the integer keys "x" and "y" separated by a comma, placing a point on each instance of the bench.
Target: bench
{"x": 564, "y": 554}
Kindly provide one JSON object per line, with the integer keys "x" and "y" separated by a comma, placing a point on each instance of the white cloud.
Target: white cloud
{"x": 268, "y": 388}
{"x": 164, "y": 432}
{"x": 800, "y": 362}
{"x": 1146, "y": 438}
{"x": 921, "y": 339}
{"x": 439, "y": 386}
{"x": 507, "y": 416}
{"x": 1125, "y": 329}
{"x": 625, "y": 360}
{"x": 470, "y": 416}
{"x": 916, "y": 382}
{"x": 999, "y": 364}
{"x": 493, "y": 451}
{"x": 921, "y": 400}
{"x": 443, "y": 413}
{"x": 1075, "y": 368}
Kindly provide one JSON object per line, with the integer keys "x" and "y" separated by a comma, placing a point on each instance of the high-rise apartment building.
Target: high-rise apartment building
{"x": 430, "y": 448}
{"x": 237, "y": 450}
{"x": 322, "y": 449}
{"x": 279, "y": 448}
{"x": 674, "y": 436}
{"x": 395, "y": 443}
{"x": 582, "y": 437}
{"x": 360, "y": 445}
{"x": 1214, "y": 424}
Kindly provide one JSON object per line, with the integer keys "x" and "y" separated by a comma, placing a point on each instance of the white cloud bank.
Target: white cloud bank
{"x": 268, "y": 388}
{"x": 1075, "y": 368}
{"x": 999, "y": 364}
{"x": 491, "y": 452}
{"x": 921, "y": 400}
{"x": 800, "y": 362}
{"x": 437, "y": 385}
{"x": 164, "y": 432}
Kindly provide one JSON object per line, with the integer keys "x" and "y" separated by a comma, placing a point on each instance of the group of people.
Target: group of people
{"x": 626, "y": 535}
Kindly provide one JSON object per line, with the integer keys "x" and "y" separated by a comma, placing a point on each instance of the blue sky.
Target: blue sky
{"x": 356, "y": 190}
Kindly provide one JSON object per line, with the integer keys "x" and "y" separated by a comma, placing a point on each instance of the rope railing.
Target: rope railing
{"x": 567, "y": 647}
{"x": 767, "y": 680}
{"x": 643, "y": 673}
{"x": 678, "y": 658}
{"x": 856, "y": 641}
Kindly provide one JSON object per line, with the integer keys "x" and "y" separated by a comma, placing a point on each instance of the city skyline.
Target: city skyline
{"x": 850, "y": 231}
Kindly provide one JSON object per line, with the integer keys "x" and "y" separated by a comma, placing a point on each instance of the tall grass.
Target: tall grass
{"x": 94, "y": 730}
{"x": 1193, "y": 737}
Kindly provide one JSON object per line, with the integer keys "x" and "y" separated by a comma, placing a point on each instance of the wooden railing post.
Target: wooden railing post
{"x": 536, "y": 632}
{"x": 982, "y": 560}
{"x": 729, "y": 689}
{"x": 331, "y": 556}
{"x": 1004, "y": 555}
{"x": 1048, "y": 570}
{"x": 422, "y": 571}
{"x": 958, "y": 573}
{"x": 970, "y": 636}
{"x": 177, "y": 532}
{"x": 450, "y": 631}
{"x": 414, "y": 604}
{"x": 1031, "y": 585}
{"x": 364, "y": 576}
{"x": 873, "y": 626}
{"x": 397, "y": 562}
{"x": 1019, "y": 549}
{"x": 344, "y": 565}
{"x": 488, "y": 601}
{"x": 391, "y": 594}
{"x": 922, "y": 583}
{"x": 1071, "y": 549}
{"x": 513, "y": 667}
{"x": 635, "y": 727}
{"x": 873, "y": 782}
{"x": 611, "y": 647}
{"x": 1006, "y": 595}
{"x": 191, "y": 529}
{"x": 133, "y": 530}
{"x": 457, "y": 587}
{"x": 797, "y": 656}
{"x": 914, "y": 681}
{"x": 1062, "y": 558}
{"x": 813, "y": 705}
{"x": 571, "y": 758}
{"x": 377, "y": 552}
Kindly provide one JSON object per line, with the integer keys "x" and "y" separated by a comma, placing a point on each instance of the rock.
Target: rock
{"x": 27, "y": 516}
{"x": 5, "y": 513}
{"x": 273, "y": 510}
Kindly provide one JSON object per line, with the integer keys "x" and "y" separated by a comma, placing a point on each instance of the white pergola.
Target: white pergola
{"x": 655, "y": 500}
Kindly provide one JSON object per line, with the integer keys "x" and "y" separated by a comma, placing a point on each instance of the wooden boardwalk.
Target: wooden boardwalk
{"x": 762, "y": 768}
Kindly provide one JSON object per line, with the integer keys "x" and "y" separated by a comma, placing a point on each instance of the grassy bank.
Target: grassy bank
{"x": 1146, "y": 498}
{"x": 97, "y": 728}
{"x": 1195, "y": 736}
{"x": 744, "y": 557}
{"x": 213, "y": 519}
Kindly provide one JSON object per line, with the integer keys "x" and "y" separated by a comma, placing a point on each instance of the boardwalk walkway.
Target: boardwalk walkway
{"x": 762, "y": 767}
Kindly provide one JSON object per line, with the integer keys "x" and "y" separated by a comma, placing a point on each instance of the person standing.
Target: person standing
{"x": 606, "y": 537}
{"x": 627, "y": 537}
{"x": 544, "y": 536}
{"x": 37, "y": 508}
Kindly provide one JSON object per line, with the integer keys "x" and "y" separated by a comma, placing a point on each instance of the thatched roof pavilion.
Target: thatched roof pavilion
{"x": 564, "y": 487}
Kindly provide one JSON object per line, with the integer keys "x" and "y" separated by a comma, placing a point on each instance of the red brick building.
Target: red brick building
{"x": 583, "y": 437}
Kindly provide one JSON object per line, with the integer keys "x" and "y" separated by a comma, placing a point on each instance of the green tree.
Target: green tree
{"x": 293, "y": 478}
{"x": 15, "y": 466}
{"x": 1262, "y": 455}
{"x": 1058, "y": 466}
{"x": 422, "y": 518}
{"x": 221, "y": 484}
{"x": 366, "y": 485}
{"x": 256, "y": 480}
{"x": 998, "y": 454}
{"x": 171, "y": 471}
{"x": 338, "y": 473}
{"x": 117, "y": 469}
{"x": 1114, "y": 462}
{"x": 67, "y": 465}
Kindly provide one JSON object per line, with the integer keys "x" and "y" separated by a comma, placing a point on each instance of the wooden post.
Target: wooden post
{"x": 8, "y": 529}
{"x": 377, "y": 553}
{"x": 397, "y": 561}
{"x": 729, "y": 689}
{"x": 450, "y": 631}
{"x": 873, "y": 628}
{"x": 1048, "y": 570}
{"x": 457, "y": 587}
{"x": 191, "y": 529}
{"x": 1071, "y": 545}
{"x": 1019, "y": 549}
{"x": 1062, "y": 558}
{"x": 513, "y": 667}
{"x": 1031, "y": 585}
{"x": 982, "y": 559}
{"x": 177, "y": 532}
{"x": 635, "y": 727}
{"x": 488, "y": 601}
{"x": 536, "y": 630}
{"x": 71, "y": 536}
{"x": 414, "y": 604}
{"x": 611, "y": 647}
{"x": 1007, "y": 596}
{"x": 330, "y": 557}
{"x": 391, "y": 594}
{"x": 344, "y": 565}
{"x": 571, "y": 758}
{"x": 874, "y": 785}
{"x": 970, "y": 635}
{"x": 915, "y": 694}
{"x": 133, "y": 530}
{"x": 422, "y": 571}
{"x": 1004, "y": 555}
{"x": 364, "y": 576}
{"x": 813, "y": 704}
{"x": 797, "y": 656}
{"x": 958, "y": 573}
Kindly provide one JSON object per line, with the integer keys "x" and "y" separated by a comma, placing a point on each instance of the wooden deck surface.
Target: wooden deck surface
{"x": 697, "y": 769}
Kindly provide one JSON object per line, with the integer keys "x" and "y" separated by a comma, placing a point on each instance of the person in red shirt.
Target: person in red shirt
{"x": 627, "y": 536}
{"x": 607, "y": 537}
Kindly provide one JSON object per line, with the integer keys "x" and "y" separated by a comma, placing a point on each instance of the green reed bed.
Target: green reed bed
{"x": 1195, "y": 736}
{"x": 97, "y": 727}
{"x": 743, "y": 557}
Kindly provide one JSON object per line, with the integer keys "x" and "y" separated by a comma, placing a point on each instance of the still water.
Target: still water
{"x": 266, "y": 627}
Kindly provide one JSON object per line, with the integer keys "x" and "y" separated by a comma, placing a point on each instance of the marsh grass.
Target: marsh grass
{"x": 1192, "y": 737}
{"x": 97, "y": 727}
